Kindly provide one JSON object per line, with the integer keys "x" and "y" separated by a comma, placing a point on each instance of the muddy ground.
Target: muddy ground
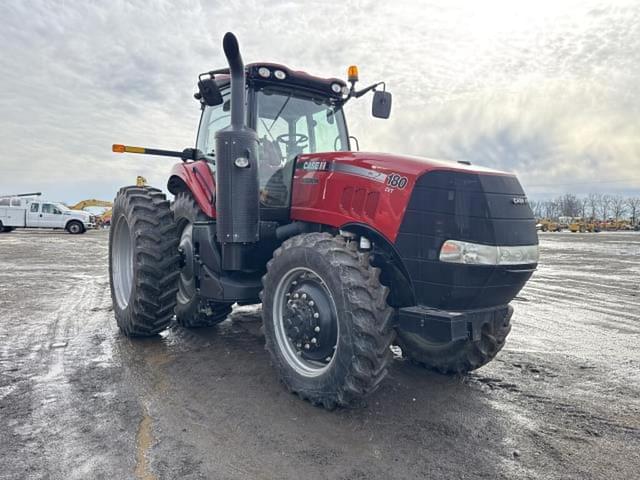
{"x": 78, "y": 400}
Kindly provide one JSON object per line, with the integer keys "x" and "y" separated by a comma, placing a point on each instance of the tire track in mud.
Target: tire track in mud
{"x": 593, "y": 293}
{"x": 543, "y": 295}
{"x": 544, "y": 278}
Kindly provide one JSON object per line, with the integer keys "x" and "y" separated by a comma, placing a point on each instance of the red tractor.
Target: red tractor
{"x": 347, "y": 251}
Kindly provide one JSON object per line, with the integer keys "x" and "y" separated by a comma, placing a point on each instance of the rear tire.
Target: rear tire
{"x": 192, "y": 311}
{"x": 75, "y": 227}
{"x": 456, "y": 357}
{"x": 318, "y": 280}
{"x": 143, "y": 261}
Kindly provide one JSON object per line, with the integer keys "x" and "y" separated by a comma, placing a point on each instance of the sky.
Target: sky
{"x": 545, "y": 89}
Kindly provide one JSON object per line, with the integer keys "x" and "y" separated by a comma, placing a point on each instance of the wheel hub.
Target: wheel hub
{"x": 309, "y": 320}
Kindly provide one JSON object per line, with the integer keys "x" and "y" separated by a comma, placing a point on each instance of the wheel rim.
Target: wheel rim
{"x": 186, "y": 282}
{"x": 306, "y": 322}
{"x": 75, "y": 228}
{"x": 122, "y": 262}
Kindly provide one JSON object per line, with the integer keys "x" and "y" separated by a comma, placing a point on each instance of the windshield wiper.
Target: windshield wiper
{"x": 280, "y": 111}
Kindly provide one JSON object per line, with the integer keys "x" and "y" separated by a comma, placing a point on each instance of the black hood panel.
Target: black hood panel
{"x": 480, "y": 208}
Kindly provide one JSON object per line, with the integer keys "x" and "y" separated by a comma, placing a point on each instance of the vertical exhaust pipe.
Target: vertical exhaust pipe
{"x": 237, "y": 188}
{"x": 236, "y": 69}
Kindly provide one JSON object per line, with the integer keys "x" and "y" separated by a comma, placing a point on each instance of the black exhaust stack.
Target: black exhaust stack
{"x": 237, "y": 188}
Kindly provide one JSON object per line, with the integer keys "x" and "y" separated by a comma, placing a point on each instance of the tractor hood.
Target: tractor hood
{"x": 341, "y": 188}
{"x": 400, "y": 164}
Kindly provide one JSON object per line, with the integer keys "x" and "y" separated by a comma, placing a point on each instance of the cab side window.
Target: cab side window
{"x": 47, "y": 208}
{"x": 4, "y": 202}
{"x": 15, "y": 202}
{"x": 213, "y": 119}
{"x": 35, "y": 207}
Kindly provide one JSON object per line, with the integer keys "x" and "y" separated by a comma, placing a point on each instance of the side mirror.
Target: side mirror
{"x": 381, "y": 106}
{"x": 209, "y": 92}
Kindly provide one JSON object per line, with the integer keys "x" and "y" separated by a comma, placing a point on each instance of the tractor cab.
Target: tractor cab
{"x": 292, "y": 112}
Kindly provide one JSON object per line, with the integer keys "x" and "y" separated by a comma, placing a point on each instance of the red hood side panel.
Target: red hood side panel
{"x": 337, "y": 188}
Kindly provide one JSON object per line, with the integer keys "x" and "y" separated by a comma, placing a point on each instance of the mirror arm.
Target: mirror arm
{"x": 359, "y": 93}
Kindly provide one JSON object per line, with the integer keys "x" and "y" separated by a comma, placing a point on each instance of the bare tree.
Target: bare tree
{"x": 584, "y": 205}
{"x": 535, "y": 208}
{"x": 633, "y": 203}
{"x": 551, "y": 209}
{"x": 594, "y": 204}
{"x": 618, "y": 206}
{"x": 604, "y": 204}
{"x": 569, "y": 205}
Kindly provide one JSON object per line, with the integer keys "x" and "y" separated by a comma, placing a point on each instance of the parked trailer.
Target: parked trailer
{"x": 23, "y": 212}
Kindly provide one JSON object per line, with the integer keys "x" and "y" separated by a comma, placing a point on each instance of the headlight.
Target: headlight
{"x": 280, "y": 75}
{"x": 264, "y": 72}
{"x": 336, "y": 87}
{"x": 456, "y": 251}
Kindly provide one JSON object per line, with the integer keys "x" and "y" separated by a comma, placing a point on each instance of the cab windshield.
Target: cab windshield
{"x": 289, "y": 125}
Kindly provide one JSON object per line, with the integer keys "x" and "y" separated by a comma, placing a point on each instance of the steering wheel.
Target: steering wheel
{"x": 298, "y": 139}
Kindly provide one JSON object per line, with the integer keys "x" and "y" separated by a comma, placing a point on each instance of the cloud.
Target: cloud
{"x": 547, "y": 90}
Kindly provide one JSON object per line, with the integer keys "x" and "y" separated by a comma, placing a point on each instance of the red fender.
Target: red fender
{"x": 197, "y": 178}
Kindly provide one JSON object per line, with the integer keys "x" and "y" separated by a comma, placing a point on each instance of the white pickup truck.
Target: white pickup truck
{"x": 18, "y": 212}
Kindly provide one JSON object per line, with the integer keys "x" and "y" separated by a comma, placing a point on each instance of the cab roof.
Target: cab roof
{"x": 297, "y": 79}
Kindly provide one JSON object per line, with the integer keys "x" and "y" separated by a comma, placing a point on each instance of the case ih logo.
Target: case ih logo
{"x": 519, "y": 200}
{"x": 315, "y": 165}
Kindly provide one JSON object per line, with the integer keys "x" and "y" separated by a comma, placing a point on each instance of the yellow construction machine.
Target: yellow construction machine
{"x": 105, "y": 218}
{"x": 548, "y": 225}
{"x": 581, "y": 225}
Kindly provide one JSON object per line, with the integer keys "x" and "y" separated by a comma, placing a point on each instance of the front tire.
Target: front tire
{"x": 75, "y": 228}
{"x": 143, "y": 261}
{"x": 326, "y": 320}
{"x": 192, "y": 311}
{"x": 457, "y": 357}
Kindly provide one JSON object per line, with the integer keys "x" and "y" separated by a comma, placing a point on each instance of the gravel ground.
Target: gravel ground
{"x": 78, "y": 400}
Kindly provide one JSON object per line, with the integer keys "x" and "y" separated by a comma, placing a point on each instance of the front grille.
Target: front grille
{"x": 479, "y": 208}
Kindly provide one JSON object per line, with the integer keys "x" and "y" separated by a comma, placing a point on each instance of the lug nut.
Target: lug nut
{"x": 304, "y": 296}
{"x": 307, "y": 346}
{"x": 311, "y": 303}
{"x": 317, "y": 329}
{"x": 314, "y": 341}
{"x": 296, "y": 295}
{"x": 328, "y": 359}
{"x": 316, "y": 315}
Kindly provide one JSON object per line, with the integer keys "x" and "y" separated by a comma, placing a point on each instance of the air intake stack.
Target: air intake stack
{"x": 237, "y": 188}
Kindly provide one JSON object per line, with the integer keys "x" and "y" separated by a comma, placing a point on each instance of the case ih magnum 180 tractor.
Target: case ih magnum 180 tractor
{"x": 347, "y": 251}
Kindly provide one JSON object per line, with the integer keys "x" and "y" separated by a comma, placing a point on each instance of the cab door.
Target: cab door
{"x": 34, "y": 217}
{"x": 50, "y": 216}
